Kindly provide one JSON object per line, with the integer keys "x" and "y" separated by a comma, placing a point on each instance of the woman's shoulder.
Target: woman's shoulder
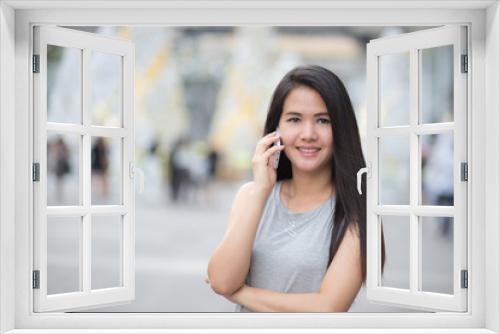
{"x": 249, "y": 192}
{"x": 250, "y": 186}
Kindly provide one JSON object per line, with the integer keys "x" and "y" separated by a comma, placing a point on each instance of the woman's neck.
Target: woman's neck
{"x": 309, "y": 186}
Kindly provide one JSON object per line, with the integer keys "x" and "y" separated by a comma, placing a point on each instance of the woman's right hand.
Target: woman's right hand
{"x": 229, "y": 264}
{"x": 264, "y": 174}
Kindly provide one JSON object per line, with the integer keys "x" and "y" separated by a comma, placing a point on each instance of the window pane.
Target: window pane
{"x": 436, "y": 99}
{"x": 64, "y": 84}
{"x": 63, "y": 169}
{"x": 394, "y": 170}
{"x": 63, "y": 254}
{"x": 394, "y": 90}
{"x": 107, "y": 250}
{"x": 106, "y": 160}
{"x": 437, "y": 254}
{"x": 396, "y": 232}
{"x": 437, "y": 169}
{"x": 106, "y": 89}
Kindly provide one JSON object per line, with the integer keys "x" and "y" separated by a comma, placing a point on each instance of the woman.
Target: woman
{"x": 296, "y": 239}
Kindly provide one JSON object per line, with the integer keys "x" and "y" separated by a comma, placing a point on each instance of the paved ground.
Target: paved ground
{"x": 174, "y": 243}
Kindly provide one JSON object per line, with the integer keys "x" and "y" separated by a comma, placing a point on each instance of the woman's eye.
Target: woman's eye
{"x": 324, "y": 120}
{"x": 293, "y": 119}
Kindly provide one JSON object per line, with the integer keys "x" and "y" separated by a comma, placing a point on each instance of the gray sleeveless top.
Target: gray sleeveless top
{"x": 290, "y": 251}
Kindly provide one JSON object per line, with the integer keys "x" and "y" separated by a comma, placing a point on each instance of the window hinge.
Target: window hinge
{"x": 465, "y": 65}
{"x": 465, "y": 279}
{"x": 464, "y": 171}
{"x": 36, "y": 172}
{"x": 36, "y": 279}
{"x": 36, "y": 63}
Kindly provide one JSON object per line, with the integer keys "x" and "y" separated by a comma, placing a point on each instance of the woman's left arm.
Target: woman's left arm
{"x": 338, "y": 289}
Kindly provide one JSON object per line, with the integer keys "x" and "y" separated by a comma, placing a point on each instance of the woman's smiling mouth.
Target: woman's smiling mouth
{"x": 308, "y": 151}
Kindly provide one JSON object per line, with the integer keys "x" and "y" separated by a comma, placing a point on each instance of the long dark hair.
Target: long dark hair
{"x": 350, "y": 207}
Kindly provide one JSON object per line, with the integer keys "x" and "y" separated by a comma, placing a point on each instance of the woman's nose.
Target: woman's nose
{"x": 308, "y": 131}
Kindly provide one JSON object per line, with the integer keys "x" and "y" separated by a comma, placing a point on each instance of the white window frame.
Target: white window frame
{"x": 16, "y": 19}
{"x": 411, "y": 44}
{"x": 87, "y": 296}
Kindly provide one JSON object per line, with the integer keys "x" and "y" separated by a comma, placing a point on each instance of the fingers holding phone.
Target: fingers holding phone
{"x": 276, "y": 156}
{"x": 263, "y": 162}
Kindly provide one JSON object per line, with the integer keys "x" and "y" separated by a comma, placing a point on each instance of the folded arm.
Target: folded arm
{"x": 338, "y": 289}
{"x": 262, "y": 300}
{"x": 230, "y": 262}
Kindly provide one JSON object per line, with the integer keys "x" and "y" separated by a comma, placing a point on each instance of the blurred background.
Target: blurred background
{"x": 201, "y": 97}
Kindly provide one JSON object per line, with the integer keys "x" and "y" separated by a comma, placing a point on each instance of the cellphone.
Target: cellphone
{"x": 276, "y": 156}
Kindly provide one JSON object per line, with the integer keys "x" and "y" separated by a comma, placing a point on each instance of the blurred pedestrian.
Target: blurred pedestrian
{"x": 61, "y": 165}
{"x": 199, "y": 171}
{"x": 179, "y": 169}
{"x": 152, "y": 168}
{"x": 100, "y": 164}
{"x": 213, "y": 158}
{"x": 212, "y": 165}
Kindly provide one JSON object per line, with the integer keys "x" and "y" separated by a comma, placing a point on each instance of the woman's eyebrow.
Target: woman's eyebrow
{"x": 294, "y": 113}
{"x": 322, "y": 114}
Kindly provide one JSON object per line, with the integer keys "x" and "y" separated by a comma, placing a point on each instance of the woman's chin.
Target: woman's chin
{"x": 309, "y": 167}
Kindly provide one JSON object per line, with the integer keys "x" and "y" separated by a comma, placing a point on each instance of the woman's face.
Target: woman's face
{"x": 306, "y": 130}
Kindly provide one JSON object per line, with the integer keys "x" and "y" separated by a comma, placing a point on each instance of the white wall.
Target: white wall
{"x": 492, "y": 150}
{"x": 6, "y": 167}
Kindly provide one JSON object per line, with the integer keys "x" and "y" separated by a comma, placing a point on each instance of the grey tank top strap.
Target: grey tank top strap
{"x": 291, "y": 249}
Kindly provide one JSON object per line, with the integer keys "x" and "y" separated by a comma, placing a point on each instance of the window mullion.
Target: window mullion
{"x": 128, "y": 236}
{"x": 414, "y": 172}
{"x": 421, "y": 210}
{"x": 87, "y": 178}
{"x": 420, "y": 130}
{"x": 86, "y": 124}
